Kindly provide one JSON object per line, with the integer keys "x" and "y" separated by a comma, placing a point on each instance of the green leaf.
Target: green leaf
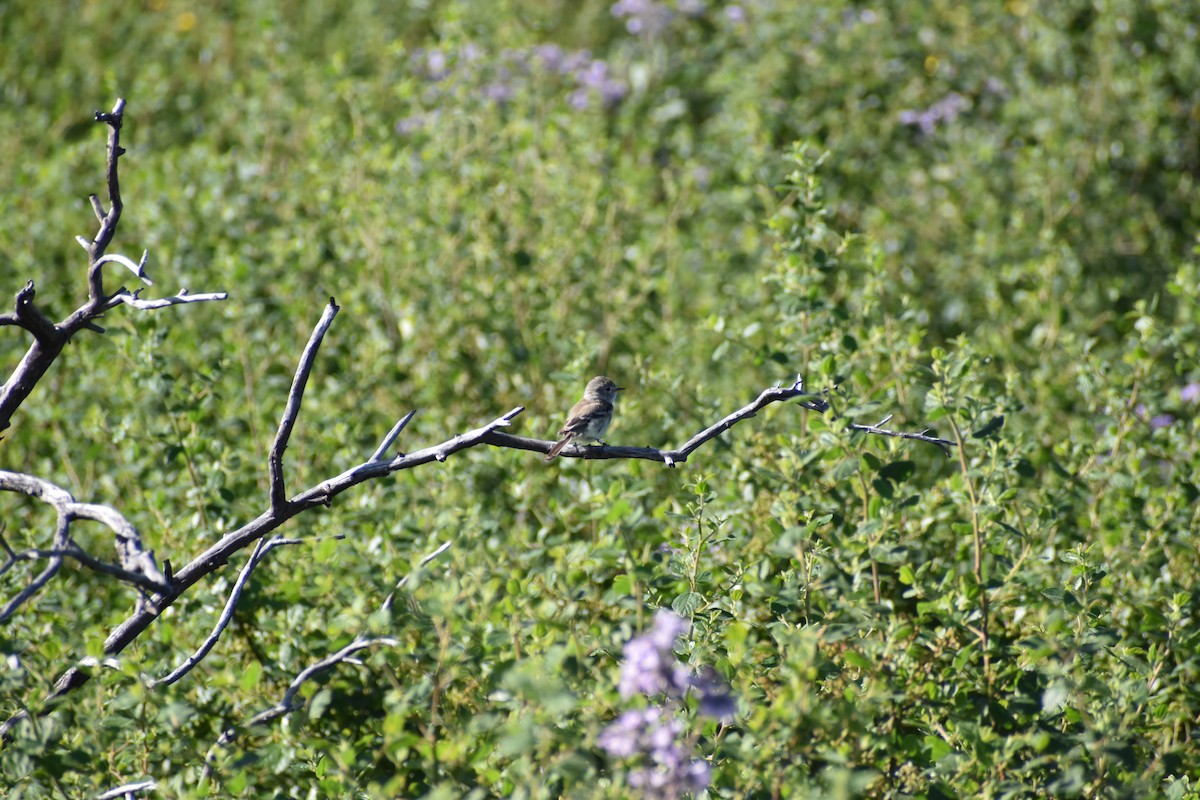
{"x": 686, "y": 605}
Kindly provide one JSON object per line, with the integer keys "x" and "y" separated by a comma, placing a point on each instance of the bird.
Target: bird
{"x": 590, "y": 417}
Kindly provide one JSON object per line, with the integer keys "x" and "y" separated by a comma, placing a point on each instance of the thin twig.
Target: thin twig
{"x": 108, "y": 225}
{"x": 263, "y": 547}
{"x": 132, "y": 299}
{"x": 61, "y": 538}
{"x": 391, "y": 437}
{"x": 287, "y": 704}
{"x": 387, "y": 602}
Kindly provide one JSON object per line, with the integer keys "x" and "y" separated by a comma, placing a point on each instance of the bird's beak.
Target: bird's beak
{"x": 620, "y": 388}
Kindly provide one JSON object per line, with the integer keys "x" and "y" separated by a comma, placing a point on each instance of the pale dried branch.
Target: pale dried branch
{"x": 138, "y": 269}
{"x": 288, "y": 703}
{"x": 391, "y": 437}
{"x": 133, "y": 299}
{"x": 137, "y": 563}
{"x": 129, "y": 791}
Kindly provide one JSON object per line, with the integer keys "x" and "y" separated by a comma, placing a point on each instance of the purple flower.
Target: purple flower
{"x": 656, "y": 739}
{"x": 667, "y": 627}
{"x": 1190, "y": 393}
{"x": 691, "y": 8}
{"x": 436, "y": 65}
{"x": 412, "y": 124}
{"x": 593, "y": 76}
{"x": 650, "y": 670}
{"x": 735, "y": 14}
{"x": 579, "y": 99}
{"x": 622, "y": 737}
{"x": 577, "y": 60}
{"x": 499, "y": 92}
{"x": 943, "y": 111}
{"x": 646, "y": 17}
{"x": 1162, "y": 421}
{"x": 713, "y": 692}
{"x": 550, "y": 56}
{"x": 698, "y": 774}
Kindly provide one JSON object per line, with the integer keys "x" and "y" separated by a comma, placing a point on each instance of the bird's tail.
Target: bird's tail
{"x": 558, "y": 446}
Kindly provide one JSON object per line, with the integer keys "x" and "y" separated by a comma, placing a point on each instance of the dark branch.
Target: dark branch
{"x": 679, "y": 455}
{"x": 108, "y": 224}
{"x": 292, "y": 410}
{"x": 51, "y": 338}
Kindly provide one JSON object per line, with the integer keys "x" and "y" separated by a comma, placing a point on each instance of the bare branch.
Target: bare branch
{"x": 287, "y": 704}
{"x": 61, "y": 539}
{"x": 51, "y": 338}
{"x": 292, "y": 410}
{"x": 679, "y": 455}
{"x": 129, "y": 791}
{"x": 137, "y": 563}
{"x": 260, "y": 552}
{"x": 73, "y": 550}
{"x": 26, "y": 315}
{"x": 133, "y": 299}
{"x": 138, "y": 269}
{"x": 98, "y": 210}
{"x": 108, "y": 225}
{"x": 387, "y": 602}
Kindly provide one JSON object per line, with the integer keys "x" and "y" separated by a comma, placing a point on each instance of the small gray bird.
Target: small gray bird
{"x": 590, "y": 417}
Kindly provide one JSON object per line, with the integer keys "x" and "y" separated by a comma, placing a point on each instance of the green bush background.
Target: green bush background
{"x": 1020, "y": 277}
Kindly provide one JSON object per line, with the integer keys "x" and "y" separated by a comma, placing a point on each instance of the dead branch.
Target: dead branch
{"x": 680, "y": 454}
{"x": 137, "y": 564}
{"x": 263, "y": 547}
{"x": 49, "y": 338}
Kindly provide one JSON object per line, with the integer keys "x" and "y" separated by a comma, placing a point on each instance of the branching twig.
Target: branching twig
{"x": 61, "y": 539}
{"x": 288, "y": 703}
{"x": 49, "y": 338}
{"x": 260, "y": 552}
{"x": 138, "y": 566}
{"x": 131, "y": 299}
{"x": 391, "y": 437}
{"x": 387, "y": 602}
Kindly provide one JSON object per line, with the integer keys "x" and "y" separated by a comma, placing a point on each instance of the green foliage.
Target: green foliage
{"x": 985, "y": 227}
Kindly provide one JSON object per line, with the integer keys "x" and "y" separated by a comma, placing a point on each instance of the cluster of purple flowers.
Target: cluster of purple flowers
{"x": 651, "y": 17}
{"x": 1189, "y": 394}
{"x": 654, "y": 734}
{"x": 942, "y": 112}
{"x": 589, "y": 80}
